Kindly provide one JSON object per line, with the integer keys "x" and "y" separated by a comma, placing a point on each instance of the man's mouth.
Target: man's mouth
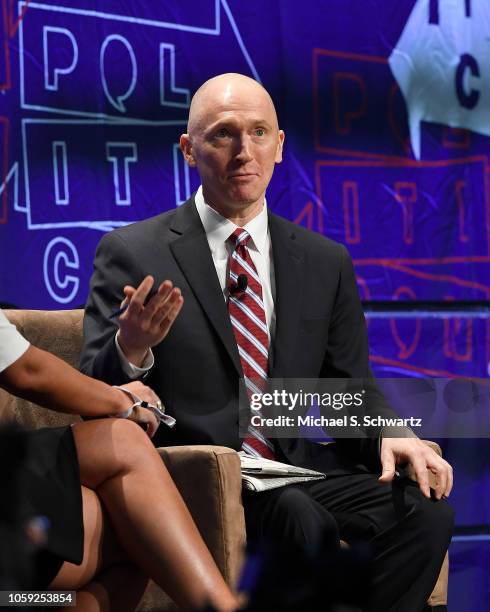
{"x": 241, "y": 176}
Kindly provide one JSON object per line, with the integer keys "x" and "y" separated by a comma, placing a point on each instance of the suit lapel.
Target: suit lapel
{"x": 191, "y": 250}
{"x": 289, "y": 260}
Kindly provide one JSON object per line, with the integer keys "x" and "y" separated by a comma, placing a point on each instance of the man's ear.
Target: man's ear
{"x": 280, "y": 143}
{"x": 186, "y": 148}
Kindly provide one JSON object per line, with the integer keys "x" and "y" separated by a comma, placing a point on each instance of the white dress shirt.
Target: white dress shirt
{"x": 218, "y": 229}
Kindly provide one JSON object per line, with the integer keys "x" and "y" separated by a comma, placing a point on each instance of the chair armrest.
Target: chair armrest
{"x": 58, "y": 332}
{"x": 439, "y": 594}
{"x": 209, "y": 480}
{"x": 434, "y": 446}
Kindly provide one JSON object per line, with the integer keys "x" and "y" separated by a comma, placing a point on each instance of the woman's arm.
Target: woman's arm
{"x": 47, "y": 380}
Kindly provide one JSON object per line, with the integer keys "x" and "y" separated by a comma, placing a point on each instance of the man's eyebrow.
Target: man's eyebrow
{"x": 229, "y": 122}
{"x": 220, "y": 123}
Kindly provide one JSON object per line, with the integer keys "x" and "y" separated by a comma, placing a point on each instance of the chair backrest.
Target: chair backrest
{"x": 56, "y": 331}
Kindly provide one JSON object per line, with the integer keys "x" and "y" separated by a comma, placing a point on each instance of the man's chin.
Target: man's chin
{"x": 235, "y": 199}
{"x": 243, "y": 198}
{"x": 243, "y": 202}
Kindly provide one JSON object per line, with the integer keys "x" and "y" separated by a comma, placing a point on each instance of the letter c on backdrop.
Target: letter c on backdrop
{"x": 62, "y": 287}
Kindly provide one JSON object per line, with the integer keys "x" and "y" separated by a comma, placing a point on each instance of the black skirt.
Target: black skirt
{"x": 48, "y": 485}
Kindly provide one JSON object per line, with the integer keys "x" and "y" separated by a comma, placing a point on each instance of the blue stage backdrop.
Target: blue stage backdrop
{"x": 386, "y": 108}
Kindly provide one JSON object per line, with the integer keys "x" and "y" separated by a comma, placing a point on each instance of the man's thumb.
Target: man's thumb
{"x": 388, "y": 472}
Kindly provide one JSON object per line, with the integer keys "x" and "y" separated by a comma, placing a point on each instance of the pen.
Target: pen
{"x": 119, "y": 311}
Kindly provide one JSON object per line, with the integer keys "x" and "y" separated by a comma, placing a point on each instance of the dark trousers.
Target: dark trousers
{"x": 408, "y": 534}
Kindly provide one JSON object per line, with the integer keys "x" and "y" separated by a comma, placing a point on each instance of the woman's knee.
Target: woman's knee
{"x": 123, "y": 430}
{"x": 130, "y": 445}
{"x": 110, "y": 446}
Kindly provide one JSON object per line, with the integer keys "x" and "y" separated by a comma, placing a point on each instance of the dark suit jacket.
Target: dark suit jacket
{"x": 320, "y": 329}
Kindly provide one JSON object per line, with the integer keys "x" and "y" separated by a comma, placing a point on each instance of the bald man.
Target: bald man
{"x": 297, "y": 316}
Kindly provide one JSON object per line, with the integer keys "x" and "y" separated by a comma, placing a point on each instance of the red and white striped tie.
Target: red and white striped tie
{"x": 247, "y": 315}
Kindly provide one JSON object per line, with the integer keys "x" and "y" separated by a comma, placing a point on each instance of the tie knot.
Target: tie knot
{"x": 239, "y": 237}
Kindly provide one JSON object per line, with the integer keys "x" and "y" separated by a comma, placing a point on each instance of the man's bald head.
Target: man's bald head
{"x": 227, "y": 90}
{"x": 234, "y": 141}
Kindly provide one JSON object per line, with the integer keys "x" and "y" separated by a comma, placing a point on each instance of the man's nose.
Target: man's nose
{"x": 244, "y": 149}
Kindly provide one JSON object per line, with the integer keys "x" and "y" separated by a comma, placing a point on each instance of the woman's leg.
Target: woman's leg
{"x": 106, "y": 579}
{"x": 118, "y": 462}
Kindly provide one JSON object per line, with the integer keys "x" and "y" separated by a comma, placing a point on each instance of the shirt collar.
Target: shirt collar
{"x": 218, "y": 229}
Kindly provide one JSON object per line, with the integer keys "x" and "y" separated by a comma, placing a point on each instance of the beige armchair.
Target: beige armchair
{"x": 207, "y": 476}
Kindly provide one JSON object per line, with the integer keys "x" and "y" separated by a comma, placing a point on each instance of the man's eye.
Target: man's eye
{"x": 222, "y": 133}
{"x": 260, "y": 132}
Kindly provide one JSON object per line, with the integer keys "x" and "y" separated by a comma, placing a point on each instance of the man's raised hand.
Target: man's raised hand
{"x": 143, "y": 326}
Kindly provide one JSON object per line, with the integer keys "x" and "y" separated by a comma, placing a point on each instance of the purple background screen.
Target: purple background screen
{"x": 94, "y": 96}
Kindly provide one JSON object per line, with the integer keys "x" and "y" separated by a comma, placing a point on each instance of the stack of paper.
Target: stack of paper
{"x": 259, "y": 474}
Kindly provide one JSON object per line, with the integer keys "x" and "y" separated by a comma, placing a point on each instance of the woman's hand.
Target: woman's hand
{"x": 145, "y": 417}
{"x": 143, "y": 392}
{"x": 141, "y": 415}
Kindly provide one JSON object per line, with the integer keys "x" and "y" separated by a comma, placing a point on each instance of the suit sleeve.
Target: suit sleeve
{"x": 347, "y": 357}
{"x": 114, "y": 267}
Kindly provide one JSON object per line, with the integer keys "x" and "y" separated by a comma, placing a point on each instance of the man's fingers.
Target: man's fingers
{"x": 128, "y": 294}
{"x": 387, "y": 475}
{"x": 160, "y": 304}
{"x": 148, "y": 317}
{"x": 449, "y": 487}
{"x": 167, "y": 322}
{"x": 165, "y": 287}
{"x": 139, "y": 304}
{"x": 441, "y": 484}
{"x": 158, "y": 307}
{"x": 158, "y": 301}
{"x": 139, "y": 296}
{"x": 420, "y": 469}
{"x": 442, "y": 481}
{"x": 167, "y": 312}
{"x": 129, "y": 291}
{"x": 444, "y": 475}
{"x": 422, "y": 459}
{"x": 388, "y": 466}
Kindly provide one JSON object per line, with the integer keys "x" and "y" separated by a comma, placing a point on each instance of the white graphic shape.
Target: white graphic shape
{"x": 60, "y": 173}
{"x": 121, "y": 154}
{"x": 218, "y": 6}
{"x": 117, "y": 102}
{"x": 51, "y": 73}
{"x": 130, "y": 17}
{"x": 179, "y": 164}
{"x": 13, "y": 175}
{"x": 102, "y": 225}
{"x": 61, "y": 252}
{"x": 170, "y": 96}
{"x": 442, "y": 65}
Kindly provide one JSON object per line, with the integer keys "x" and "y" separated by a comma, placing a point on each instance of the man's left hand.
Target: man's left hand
{"x": 421, "y": 457}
